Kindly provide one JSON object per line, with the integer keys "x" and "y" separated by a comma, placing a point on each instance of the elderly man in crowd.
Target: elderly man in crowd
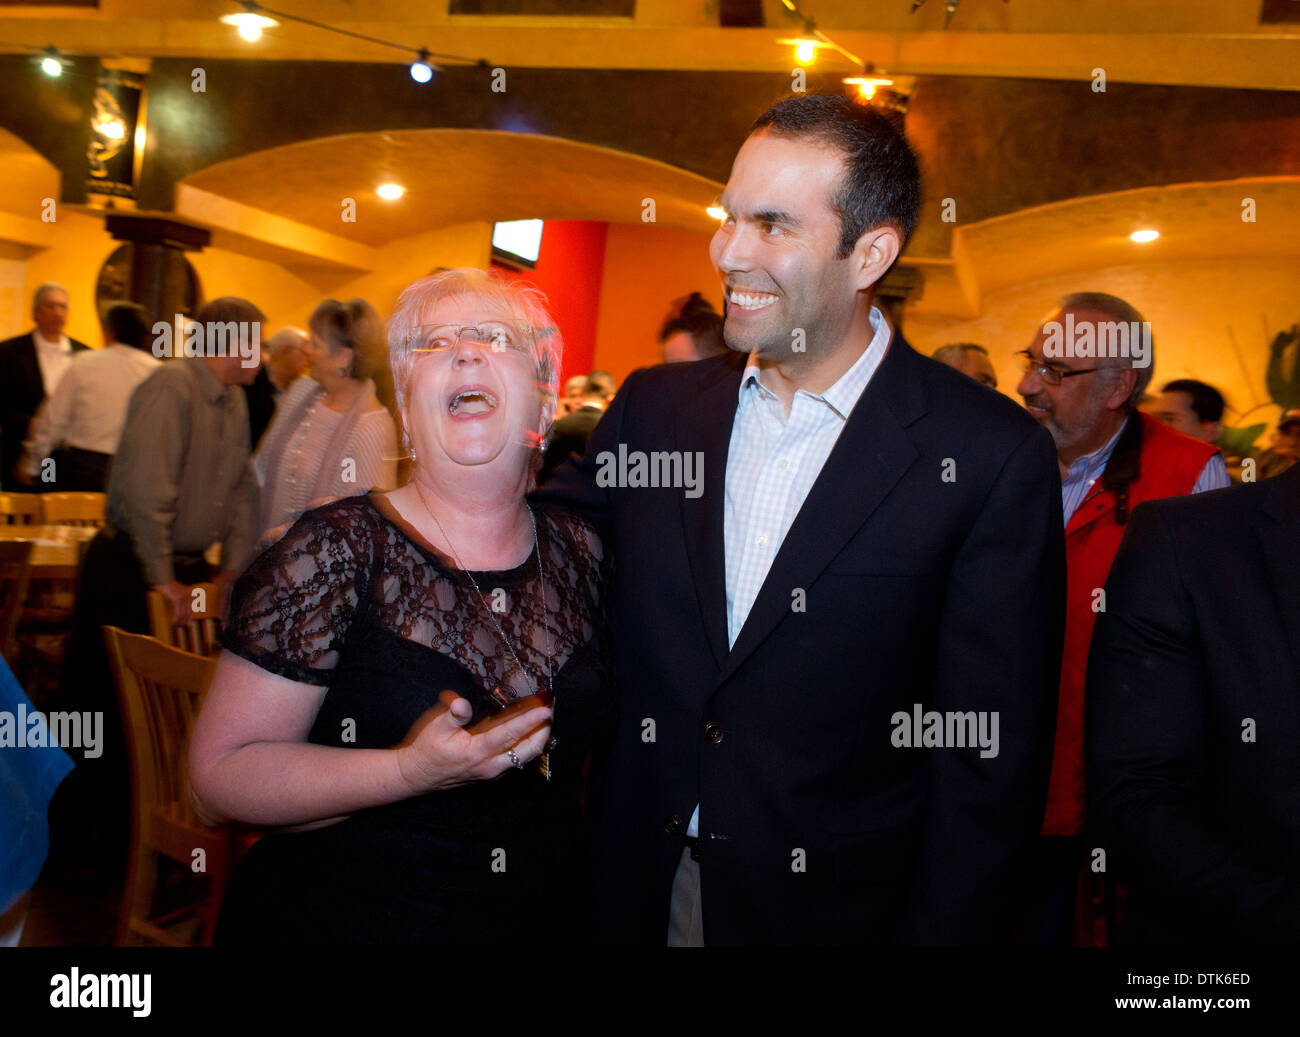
{"x": 1112, "y": 457}
{"x": 284, "y": 361}
{"x": 31, "y": 366}
{"x": 80, "y": 424}
{"x": 971, "y": 360}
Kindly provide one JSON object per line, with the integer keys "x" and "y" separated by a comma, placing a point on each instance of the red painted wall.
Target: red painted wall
{"x": 647, "y": 267}
{"x": 570, "y": 268}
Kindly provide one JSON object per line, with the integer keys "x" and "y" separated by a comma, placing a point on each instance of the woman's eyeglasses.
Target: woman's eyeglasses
{"x": 1050, "y": 373}
{"x": 496, "y": 335}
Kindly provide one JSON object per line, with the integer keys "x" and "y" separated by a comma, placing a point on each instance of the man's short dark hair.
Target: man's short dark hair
{"x": 695, "y": 316}
{"x": 229, "y": 308}
{"x": 882, "y": 182}
{"x": 599, "y": 383}
{"x": 1207, "y": 401}
{"x": 128, "y": 323}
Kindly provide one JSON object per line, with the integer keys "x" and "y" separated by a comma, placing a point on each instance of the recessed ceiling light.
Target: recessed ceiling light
{"x": 390, "y": 192}
{"x": 1145, "y": 235}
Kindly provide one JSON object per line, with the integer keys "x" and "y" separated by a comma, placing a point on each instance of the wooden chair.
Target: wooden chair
{"x": 21, "y": 509}
{"x": 202, "y": 634}
{"x": 74, "y": 509}
{"x": 15, "y": 572}
{"x": 159, "y": 689}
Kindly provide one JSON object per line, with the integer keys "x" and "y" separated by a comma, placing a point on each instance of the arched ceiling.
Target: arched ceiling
{"x": 451, "y": 176}
{"x": 28, "y": 177}
{"x": 1195, "y": 221}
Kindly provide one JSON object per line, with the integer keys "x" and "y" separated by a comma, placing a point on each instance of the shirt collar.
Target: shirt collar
{"x": 1098, "y": 458}
{"x": 841, "y": 396}
{"x": 214, "y": 389}
{"x": 59, "y": 345}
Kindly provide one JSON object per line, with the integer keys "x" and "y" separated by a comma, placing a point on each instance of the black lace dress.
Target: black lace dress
{"x": 353, "y": 599}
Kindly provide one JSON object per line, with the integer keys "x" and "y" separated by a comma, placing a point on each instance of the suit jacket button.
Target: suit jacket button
{"x": 712, "y": 733}
{"x": 673, "y": 825}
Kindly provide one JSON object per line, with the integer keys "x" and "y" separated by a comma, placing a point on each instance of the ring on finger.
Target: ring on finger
{"x": 519, "y": 764}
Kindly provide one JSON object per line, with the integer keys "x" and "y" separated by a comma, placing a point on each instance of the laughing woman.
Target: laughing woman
{"x": 411, "y": 681}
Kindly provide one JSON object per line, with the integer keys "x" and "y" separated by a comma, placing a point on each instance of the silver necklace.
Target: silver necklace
{"x": 497, "y": 695}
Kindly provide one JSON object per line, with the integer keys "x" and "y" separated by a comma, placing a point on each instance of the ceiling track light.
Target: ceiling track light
{"x": 418, "y": 68}
{"x": 949, "y": 9}
{"x": 249, "y": 22}
{"x": 51, "y": 62}
{"x": 421, "y": 70}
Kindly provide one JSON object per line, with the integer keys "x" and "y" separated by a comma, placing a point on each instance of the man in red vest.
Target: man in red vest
{"x": 1085, "y": 371}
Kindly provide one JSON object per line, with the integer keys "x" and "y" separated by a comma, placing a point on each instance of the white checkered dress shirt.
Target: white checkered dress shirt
{"x": 772, "y": 463}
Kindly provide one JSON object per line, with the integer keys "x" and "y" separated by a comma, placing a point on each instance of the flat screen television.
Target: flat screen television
{"x": 517, "y": 242}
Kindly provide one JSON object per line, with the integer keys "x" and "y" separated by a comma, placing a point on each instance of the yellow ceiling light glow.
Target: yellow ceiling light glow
{"x": 390, "y": 192}
{"x": 717, "y": 212}
{"x": 868, "y": 85}
{"x": 249, "y": 24}
{"x": 1143, "y": 236}
{"x": 805, "y": 47}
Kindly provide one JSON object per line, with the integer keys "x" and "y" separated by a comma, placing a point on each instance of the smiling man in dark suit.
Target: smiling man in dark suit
{"x": 837, "y": 651}
{"x": 30, "y": 368}
{"x": 1193, "y": 729}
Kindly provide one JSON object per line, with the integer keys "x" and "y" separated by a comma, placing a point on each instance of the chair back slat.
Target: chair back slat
{"x": 21, "y": 509}
{"x": 74, "y": 509}
{"x": 159, "y": 690}
{"x": 15, "y": 575}
{"x": 202, "y": 634}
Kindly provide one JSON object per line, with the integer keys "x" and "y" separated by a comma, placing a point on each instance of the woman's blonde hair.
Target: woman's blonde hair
{"x": 524, "y": 302}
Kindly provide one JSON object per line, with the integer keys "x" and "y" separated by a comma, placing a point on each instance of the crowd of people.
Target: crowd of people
{"x": 918, "y": 665}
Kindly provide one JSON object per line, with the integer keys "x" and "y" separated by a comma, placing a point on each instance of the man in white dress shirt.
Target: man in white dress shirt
{"x": 75, "y": 436}
{"x": 31, "y": 366}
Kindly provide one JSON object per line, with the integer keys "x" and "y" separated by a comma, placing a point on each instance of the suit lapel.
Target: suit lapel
{"x": 870, "y": 456}
{"x": 1279, "y": 540}
{"x": 704, "y": 423}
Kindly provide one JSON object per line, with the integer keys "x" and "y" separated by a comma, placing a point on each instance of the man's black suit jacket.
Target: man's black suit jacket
{"x": 22, "y": 390}
{"x": 1193, "y": 726}
{"x": 930, "y": 558}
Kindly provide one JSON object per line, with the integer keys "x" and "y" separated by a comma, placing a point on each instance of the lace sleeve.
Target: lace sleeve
{"x": 291, "y": 611}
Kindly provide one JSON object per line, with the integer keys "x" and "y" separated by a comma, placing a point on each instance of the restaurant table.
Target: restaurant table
{"x": 56, "y": 550}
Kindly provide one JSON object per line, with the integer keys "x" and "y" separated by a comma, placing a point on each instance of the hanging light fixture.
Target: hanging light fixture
{"x": 249, "y": 22}
{"x": 868, "y": 82}
{"x": 51, "y": 62}
{"x": 421, "y": 70}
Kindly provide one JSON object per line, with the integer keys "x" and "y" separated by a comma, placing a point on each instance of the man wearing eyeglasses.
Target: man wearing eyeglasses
{"x": 1112, "y": 458}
